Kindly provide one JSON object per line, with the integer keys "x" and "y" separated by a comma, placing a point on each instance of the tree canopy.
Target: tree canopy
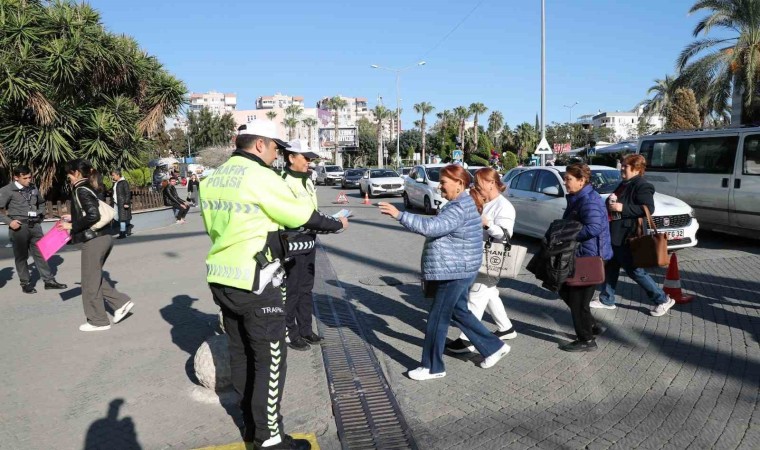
{"x": 69, "y": 88}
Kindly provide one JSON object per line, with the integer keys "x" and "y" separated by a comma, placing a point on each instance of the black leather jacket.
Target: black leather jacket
{"x": 85, "y": 217}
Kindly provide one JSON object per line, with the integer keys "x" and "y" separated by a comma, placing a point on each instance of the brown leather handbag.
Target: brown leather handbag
{"x": 648, "y": 250}
{"x": 589, "y": 271}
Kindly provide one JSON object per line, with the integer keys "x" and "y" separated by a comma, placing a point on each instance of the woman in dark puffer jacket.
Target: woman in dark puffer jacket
{"x": 586, "y": 206}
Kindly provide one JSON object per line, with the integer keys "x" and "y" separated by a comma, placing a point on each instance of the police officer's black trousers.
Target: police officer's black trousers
{"x": 255, "y": 326}
{"x": 298, "y": 305}
{"x": 25, "y": 242}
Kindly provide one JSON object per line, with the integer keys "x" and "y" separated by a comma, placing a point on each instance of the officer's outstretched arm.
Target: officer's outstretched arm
{"x": 323, "y": 223}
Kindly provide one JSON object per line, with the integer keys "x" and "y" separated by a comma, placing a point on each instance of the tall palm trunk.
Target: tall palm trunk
{"x": 422, "y": 129}
{"x": 737, "y": 101}
{"x": 335, "y": 158}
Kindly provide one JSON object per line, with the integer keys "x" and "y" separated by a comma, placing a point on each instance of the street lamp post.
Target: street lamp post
{"x": 398, "y": 107}
{"x": 571, "y": 110}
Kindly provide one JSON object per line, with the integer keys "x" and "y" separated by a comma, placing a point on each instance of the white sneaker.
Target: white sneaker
{"x": 599, "y": 304}
{"x": 88, "y": 327}
{"x": 122, "y": 312}
{"x": 422, "y": 374}
{"x": 491, "y": 361}
{"x": 662, "y": 308}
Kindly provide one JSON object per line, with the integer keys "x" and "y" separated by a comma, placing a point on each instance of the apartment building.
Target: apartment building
{"x": 277, "y": 115}
{"x": 626, "y": 123}
{"x": 216, "y": 102}
{"x": 278, "y": 100}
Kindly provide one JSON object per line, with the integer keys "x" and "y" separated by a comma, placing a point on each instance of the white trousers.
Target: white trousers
{"x": 483, "y": 296}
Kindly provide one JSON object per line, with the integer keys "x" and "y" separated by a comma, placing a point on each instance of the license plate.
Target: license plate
{"x": 674, "y": 235}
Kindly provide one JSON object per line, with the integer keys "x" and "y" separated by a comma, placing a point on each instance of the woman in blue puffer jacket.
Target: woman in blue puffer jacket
{"x": 586, "y": 206}
{"x": 451, "y": 258}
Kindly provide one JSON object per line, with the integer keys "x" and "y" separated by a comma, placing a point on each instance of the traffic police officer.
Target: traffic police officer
{"x": 300, "y": 269}
{"x": 24, "y": 211}
{"x": 244, "y": 205}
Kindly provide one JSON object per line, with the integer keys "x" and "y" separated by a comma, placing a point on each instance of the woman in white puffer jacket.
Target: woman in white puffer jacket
{"x": 498, "y": 217}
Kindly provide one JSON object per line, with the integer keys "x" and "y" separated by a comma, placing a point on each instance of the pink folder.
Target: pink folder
{"x": 53, "y": 241}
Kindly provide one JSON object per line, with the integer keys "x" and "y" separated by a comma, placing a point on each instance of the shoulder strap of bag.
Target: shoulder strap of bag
{"x": 649, "y": 219}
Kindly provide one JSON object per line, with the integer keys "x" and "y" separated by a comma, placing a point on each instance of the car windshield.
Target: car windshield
{"x": 433, "y": 173}
{"x": 333, "y": 169}
{"x": 354, "y": 173}
{"x": 405, "y": 171}
{"x": 382, "y": 174}
{"x": 604, "y": 181}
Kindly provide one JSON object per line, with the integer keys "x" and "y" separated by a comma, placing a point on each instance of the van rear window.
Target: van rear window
{"x": 660, "y": 154}
{"x": 751, "y": 163}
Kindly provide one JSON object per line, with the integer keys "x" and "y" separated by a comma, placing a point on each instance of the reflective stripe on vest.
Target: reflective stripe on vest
{"x": 222, "y": 205}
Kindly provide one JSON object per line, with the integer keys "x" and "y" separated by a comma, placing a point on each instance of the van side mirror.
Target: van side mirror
{"x": 419, "y": 179}
{"x": 366, "y": 175}
{"x": 551, "y": 190}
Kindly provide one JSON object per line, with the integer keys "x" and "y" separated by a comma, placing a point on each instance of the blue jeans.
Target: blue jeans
{"x": 450, "y": 306}
{"x": 622, "y": 257}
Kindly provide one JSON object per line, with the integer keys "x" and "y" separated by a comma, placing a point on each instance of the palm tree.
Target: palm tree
{"x": 69, "y": 88}
{"x": 495, "y": 122}
{"x": 336, "y": 104}
{"x": 290, "y": 123}
{"x": 423, "y": 108}
{"x": 381, "y": 113}
{"x": 663, "y": 90}
{"x": 732, "y": 70}
{"x": 293, "y": 110}
{"x": 461, "y": 114}
{"x": 527, "y": 137}
{"x": 476, "y": 109}
{"x": 271, "y": 115}
{"x": 310, "y": 123}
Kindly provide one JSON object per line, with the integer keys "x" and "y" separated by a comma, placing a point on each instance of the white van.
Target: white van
{"x": 717, "y": 172}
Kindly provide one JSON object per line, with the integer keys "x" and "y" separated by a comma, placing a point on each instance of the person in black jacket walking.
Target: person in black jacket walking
{"x": 193, "y": 187}
{"x": 122, "y": 202}
{"x": 626, "y": 206}
{"x": 24, "y": 211}
{"x": 585, "y": 206}
{"x": 96, "y": 246}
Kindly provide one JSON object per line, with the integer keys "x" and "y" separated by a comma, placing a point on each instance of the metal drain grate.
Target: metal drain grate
{"x": 366, "y": 412}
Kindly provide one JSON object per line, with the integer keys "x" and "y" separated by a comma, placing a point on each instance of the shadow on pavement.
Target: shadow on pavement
{"x": 373, "y": 324}
{"x": 6, "y": 275}
{"x": 53, "y": 263}
{"x": 111, "y": 432}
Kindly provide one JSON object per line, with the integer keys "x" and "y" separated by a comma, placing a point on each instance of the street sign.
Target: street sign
{"x": 591, "y": 151}
{"x": 457, "y": 154}
{"x": 543, "y": 148}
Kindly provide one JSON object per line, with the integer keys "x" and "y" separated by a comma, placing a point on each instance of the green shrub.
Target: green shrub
{"x": 476, "y": 160}
{"x": 509, "y": 161}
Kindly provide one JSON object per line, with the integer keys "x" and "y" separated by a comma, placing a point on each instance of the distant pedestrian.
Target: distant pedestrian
{"x": 498, "y": 218}
{"x": 626, "y": 206}
{"x": 171, "y": 198}
{"x": 452, "y": 254}
{"x": 24, "y": 208}
{"x": 96, "y": 247}
{"x": 585, "y": 206}
{"x": 301, "y": 268}
{"x": 193, "y": 185}
{"x": 122, "y": 202}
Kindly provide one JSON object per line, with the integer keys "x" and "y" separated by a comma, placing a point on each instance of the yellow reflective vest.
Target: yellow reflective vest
{"x": 244, "y": 204}
{"x": 301, "y": 186}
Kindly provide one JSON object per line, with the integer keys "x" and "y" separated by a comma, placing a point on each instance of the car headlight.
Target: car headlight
{"x": 375, "y": 185}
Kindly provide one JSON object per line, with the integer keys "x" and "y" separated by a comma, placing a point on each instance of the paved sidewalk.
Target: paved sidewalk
{"x": 132, "y": 386}
{"x": 689, "y": 379}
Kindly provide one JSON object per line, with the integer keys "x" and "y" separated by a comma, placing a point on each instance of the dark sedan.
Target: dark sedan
{"x": 351, "y": 178}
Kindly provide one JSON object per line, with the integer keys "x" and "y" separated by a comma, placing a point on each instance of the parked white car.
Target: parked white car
{"x": 329, "y": 174}
{"x": 538, "y": 195}
{"x": 381, "y": 182}
{"x": 421, "y": 188}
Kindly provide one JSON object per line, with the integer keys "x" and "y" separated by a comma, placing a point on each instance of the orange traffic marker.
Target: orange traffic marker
{"x": 672, "y": 284}
{"x": 366, "y": 199}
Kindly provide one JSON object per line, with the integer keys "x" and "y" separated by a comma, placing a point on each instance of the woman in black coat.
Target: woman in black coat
{"x": 122, "y": 203}
{"x": 626, "y": 206}
{"x": 193, "y": 186}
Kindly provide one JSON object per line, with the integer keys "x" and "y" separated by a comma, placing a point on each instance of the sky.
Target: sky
{"x": 603, "y": 54}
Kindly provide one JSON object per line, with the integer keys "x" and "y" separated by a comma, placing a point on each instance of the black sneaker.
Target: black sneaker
{"x": 299, "y": 344}
{"x": 579, "y": 346}
{"x": 52, "y": 284}
{"x": 460, "y": 346}
{"x": 287, "y": 443}
{"x": 598, "y": 329}
{"x": 313, "y": 338}
{"x": 508, "y": 334}
{"x": 28, "y": 289}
